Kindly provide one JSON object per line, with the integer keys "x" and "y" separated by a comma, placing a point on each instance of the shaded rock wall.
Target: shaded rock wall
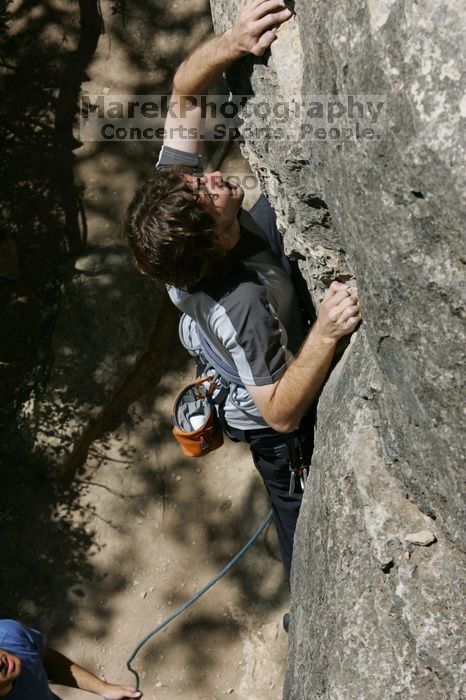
{"x": 374, "y": 616}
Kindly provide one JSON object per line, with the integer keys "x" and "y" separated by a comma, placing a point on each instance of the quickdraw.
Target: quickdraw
{"x": 298, "y": 468}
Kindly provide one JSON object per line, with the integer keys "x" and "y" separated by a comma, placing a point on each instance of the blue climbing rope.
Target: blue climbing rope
{"x": 196, "y": 596}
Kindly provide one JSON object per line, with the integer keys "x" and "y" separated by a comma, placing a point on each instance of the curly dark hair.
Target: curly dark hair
{"x": 170, "y": 231}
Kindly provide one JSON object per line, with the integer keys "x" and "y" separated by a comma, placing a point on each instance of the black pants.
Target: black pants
{"x": 270, "y": 452}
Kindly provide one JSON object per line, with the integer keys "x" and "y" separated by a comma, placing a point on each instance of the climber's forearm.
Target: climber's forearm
{"x": 205, "y": 65}
{"x": 251, "y": 33}
{"x": 284, "y": 403}
{"x": 302, "y": 381}
{"x": 184, "y": 127}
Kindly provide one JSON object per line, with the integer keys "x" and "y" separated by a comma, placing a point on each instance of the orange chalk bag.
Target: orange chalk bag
{"x": 196, "y": 427}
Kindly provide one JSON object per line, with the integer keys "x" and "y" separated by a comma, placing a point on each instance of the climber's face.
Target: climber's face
{"x": 220, "y": 197}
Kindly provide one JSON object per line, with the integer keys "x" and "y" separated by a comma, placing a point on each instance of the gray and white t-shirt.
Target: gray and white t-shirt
{"x": 249, "y": 313}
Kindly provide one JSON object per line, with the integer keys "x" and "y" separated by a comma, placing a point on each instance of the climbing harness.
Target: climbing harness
{"x": 196, "y": 596}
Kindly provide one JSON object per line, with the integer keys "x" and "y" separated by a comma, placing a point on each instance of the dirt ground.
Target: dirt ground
{"x": 96, "y": 563}
{"x": 161, "y": 527}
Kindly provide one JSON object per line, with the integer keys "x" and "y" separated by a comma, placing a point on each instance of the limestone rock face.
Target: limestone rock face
{"x": 374, "y": 615}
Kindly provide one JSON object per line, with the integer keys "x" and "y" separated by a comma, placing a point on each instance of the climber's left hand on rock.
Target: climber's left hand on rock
{"x": 253, "y": 30}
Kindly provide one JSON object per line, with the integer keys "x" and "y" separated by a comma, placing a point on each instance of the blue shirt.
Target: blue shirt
{"x": 27, "y": 645}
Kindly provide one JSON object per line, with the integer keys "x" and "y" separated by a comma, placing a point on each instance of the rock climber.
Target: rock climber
{"x": 27, "y": 666}
{"x": 186, "y": 229}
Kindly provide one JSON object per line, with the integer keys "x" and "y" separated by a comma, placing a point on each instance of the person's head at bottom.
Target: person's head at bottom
{"x": 10, "y": 669}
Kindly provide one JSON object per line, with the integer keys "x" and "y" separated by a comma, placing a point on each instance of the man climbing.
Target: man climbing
{"x": 186, "y": 229}
{"x": 26, "y": 667}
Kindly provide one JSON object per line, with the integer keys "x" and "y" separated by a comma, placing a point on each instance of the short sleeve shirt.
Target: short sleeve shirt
{"x": 250, "y": 315}
{"x": 27, "y": 645}
{"x": 173, "y": 156}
